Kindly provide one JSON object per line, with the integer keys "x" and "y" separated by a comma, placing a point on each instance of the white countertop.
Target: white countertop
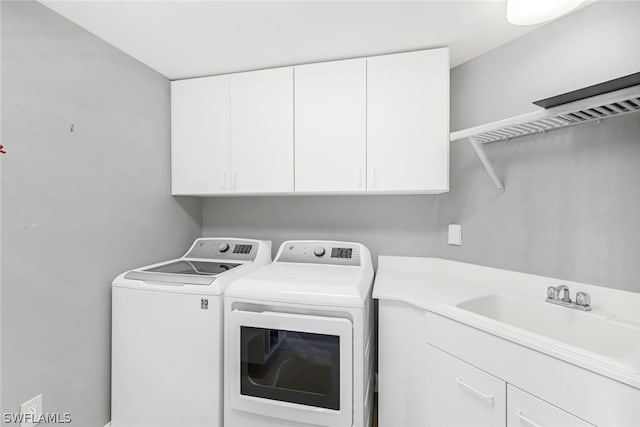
{"x": 439, "y": 285}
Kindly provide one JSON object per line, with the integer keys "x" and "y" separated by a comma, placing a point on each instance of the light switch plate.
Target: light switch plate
{"x": 31, "y": 411}
{"x": 455, "y": 234}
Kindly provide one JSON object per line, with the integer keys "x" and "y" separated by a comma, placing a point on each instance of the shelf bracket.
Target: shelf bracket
{"x": 479, "y": 149}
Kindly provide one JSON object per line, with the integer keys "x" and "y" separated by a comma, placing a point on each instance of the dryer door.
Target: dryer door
{"x": 292, "y": 366}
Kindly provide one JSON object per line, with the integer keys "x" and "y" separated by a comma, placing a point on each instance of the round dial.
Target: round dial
{"x": 319, "y": 251}
{"x": 224, "y": 247}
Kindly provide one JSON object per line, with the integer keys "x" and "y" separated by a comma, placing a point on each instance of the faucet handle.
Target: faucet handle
{"x": 583, "y": 299}
{"x": 551, "y": 292}
{"x": 562, "y": 293}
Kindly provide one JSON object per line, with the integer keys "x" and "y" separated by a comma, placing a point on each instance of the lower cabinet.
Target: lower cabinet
{"x": 402, "y": 366}
{"x": 459, "y": 394}
{"x": 436, "y": 372}
{"x": 526, "y": 410}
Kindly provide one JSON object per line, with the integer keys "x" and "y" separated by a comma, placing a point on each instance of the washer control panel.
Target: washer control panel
{"x": 223, "y": 249}
{"x": 314, "y": 252}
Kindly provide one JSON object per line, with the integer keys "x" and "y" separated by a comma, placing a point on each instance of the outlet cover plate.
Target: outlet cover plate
{"x": 455, "y": 234}
{"x": 34, "y": 407}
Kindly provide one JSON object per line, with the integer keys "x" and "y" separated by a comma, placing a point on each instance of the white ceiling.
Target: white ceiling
{"x": 195, "y": 38}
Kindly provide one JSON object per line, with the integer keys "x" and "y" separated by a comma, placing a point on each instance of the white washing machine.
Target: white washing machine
{"x": 299, "y": 339}
{"x": 167, "y": 335}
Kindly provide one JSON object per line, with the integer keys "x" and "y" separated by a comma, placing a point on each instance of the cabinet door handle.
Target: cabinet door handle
{"x": 488, "y": 397}
{"x": 526, "y": 420}
{"x": 235, "y": 180}
{"x": 224, "y": 181}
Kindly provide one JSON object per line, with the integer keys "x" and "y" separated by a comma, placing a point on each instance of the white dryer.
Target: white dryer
{"x": 167, "y": 335}
{"x": 299, "y": 339}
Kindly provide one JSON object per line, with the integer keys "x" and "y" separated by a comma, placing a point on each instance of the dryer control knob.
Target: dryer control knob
{"x": 319, "y": 251}
{"x": 224, "y": 247}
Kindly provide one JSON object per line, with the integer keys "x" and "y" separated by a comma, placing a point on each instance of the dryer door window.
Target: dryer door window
{"x": 290, "y": 366}
{"x": 295, "y": 367}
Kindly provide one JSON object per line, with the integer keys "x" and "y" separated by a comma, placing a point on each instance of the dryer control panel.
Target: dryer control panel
{"x": 320, "y": 252}
{"x": 243, "y": 250}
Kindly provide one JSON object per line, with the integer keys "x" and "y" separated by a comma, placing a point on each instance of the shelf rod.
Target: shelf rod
{"x": 479, "y": 149}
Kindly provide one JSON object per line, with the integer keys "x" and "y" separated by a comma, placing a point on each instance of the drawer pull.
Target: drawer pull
{"x": 526, "y": 420}
{"x": 488, "y": 397}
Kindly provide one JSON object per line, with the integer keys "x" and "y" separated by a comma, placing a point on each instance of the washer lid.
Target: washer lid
{"x": 183, "y": 271}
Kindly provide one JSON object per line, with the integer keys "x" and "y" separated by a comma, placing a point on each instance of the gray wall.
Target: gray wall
{"x": 78, "y": 207}
{"x": 595, "y": 44}
{"x": 572, "y": 202}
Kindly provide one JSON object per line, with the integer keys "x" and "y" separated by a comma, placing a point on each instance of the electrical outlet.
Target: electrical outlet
{"x": 455, "y": 234}
{"x": 31, "y": 411}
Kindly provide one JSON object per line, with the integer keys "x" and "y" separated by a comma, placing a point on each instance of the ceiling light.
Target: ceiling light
{"x": 530, "y": 12}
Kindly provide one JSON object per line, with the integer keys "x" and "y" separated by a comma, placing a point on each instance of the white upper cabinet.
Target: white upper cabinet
{"x": 261, "y": 117}
{"x": 369, "y": 125}
{"x": 200, "y": 135}
{"x": 330, "y": 126}
{"x": 408, "y": 122}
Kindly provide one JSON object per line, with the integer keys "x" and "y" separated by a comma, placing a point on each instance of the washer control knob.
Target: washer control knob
{"x": 224, "y": 247}
{"x": 319, "y": 251}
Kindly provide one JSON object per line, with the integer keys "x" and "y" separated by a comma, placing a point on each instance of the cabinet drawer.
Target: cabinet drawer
{"x": 525, "y": 410}
{"x": 590, "y": 396}
{"x": 459, "y": 394}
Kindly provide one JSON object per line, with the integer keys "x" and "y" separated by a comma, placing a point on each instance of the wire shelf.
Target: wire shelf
{"x": 588, "y": 110}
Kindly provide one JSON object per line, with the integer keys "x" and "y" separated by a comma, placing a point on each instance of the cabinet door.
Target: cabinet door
{"x": 459, "y": 394}
{"x": 525, "y": 410}
{"x": 262, "y": 131}
{"x": 408, "y": 122}
{"x": 402, "y": 376}
{"x": 200, "y": 135}
{"x": 330, "y": 126}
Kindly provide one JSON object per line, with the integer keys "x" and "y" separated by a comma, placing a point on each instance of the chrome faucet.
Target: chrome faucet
{"x": 560, "y": 295}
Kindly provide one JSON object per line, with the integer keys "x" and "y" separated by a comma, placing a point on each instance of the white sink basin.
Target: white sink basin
{"x": 606, "y": 339}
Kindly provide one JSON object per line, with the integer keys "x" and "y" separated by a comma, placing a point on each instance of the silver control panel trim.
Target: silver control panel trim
{"x": 223, "y": 249}
{"x": 315, "y": 252}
